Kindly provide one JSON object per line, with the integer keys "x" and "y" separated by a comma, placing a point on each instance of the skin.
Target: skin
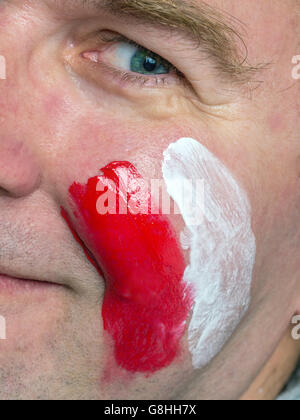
{"x": 60, "y": 124}
{"x": 276, "y": 372}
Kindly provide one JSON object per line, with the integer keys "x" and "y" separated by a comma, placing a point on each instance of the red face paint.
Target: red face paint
{"x": 146, "y": 303}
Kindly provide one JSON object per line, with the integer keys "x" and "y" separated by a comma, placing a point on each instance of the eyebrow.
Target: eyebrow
{"x": 210, "y": 28}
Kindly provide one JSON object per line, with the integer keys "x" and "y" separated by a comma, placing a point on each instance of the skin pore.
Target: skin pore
{"x": 70, "y": 106}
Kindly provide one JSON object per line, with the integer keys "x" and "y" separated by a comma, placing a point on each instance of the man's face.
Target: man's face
{"x": 86, "y": 87}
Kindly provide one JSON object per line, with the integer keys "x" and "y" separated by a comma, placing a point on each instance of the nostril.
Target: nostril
{"x": 21, "y": 190}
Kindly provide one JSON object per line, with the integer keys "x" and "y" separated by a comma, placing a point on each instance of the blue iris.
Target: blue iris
{"x": 146, "y": 62}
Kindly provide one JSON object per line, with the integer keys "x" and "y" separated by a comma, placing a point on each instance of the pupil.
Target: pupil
{"x": 150, "y": 64}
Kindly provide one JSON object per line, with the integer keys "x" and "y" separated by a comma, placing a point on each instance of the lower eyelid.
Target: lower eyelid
{"x": 124, "y": 79}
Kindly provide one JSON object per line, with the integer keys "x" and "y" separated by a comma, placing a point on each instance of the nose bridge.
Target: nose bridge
{"x": 19, "y": 172}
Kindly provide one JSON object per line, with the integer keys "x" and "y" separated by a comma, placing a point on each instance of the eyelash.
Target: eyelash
{"x": 137, "y": 79}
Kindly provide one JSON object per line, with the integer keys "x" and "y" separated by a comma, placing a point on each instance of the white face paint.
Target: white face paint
{"x": 222, "y": 247}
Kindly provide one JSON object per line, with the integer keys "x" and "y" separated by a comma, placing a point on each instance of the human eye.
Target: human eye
{"x": 132, "y": 63}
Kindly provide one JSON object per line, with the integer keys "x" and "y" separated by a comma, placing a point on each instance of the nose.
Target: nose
{"x": 19, "y": 171}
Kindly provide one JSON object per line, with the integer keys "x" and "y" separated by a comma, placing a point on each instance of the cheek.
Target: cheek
{"x": 146, "y": 303}
{"x": 221, "y": 242}
{"x": 150, "y": 291}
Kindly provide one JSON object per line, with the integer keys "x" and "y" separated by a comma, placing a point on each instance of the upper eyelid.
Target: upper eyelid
{"x": 118, "y": 38}
{"x": 108, "y": 37}
{"x": 121, "y": 38}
